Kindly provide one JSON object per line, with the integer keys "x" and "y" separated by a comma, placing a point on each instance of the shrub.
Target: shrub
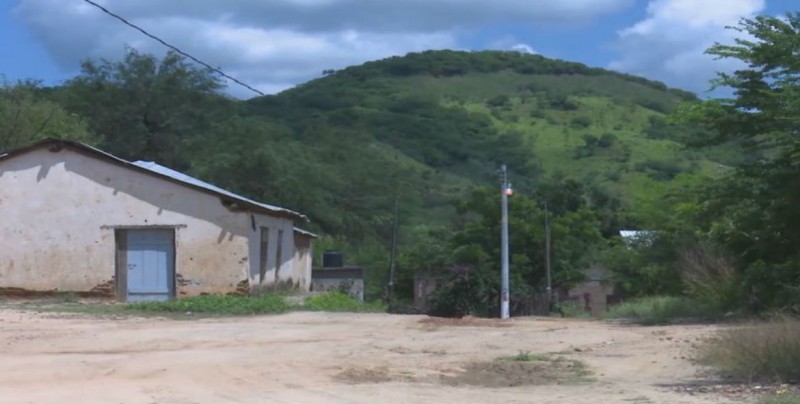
{"x": 499, "y": 101}
{"x": 659, "y": 310}
{"x": 581, "y": 122}
{"x": 217, "y": 304}
{"x": 786, "y": 398}
{"x": 571, "y": 309}
{"x": 710, "y": 277}
{"x": 341, "y": 302}
{"x": 757, "y": 352}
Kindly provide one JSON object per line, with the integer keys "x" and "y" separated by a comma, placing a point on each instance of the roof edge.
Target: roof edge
{"x": 56, "y": 145}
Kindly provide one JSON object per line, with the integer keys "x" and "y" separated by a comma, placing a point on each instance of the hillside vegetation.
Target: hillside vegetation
{"x": 426, "y": 132}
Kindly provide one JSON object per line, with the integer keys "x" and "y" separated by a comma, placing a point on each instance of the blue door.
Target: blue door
{"x": 150, "y": 260}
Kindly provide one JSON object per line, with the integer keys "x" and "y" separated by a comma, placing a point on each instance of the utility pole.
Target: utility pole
{"x": 393, "y": 258}
{"x": 505, "y": 191}
{"x": 547, "y": 255}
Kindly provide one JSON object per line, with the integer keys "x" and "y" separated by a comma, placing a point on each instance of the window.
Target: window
{"x": 263, "y": 253}
{"x": 278, "y": 254}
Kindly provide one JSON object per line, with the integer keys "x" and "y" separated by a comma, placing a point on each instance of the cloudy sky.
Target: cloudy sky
{"x": 275, "y": 44}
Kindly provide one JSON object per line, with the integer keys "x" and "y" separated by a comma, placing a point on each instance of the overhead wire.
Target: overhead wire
{"x": 174, "y": 48}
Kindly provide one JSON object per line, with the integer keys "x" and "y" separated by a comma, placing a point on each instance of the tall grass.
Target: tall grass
{"x": 757, "y": 352}
{"x": 217, "y": 304}
{"x": 710, "y": 277}
{"x": 660, "y": 310}
{"x": 788, "y": 398}
{"x": 267, "y": 303}
{"x": 341, "y": 302}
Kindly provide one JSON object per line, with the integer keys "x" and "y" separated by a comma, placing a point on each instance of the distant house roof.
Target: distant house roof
{"x": 640, "y": 237}
{"x": 305, "y": 233}
{"x": 228, "y": 198}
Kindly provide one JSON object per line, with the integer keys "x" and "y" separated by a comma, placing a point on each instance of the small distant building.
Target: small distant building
{"x": 595, "y": 293}
{"x": 638, "y": 238}
{"x": 335, "y": 276}
{"x": 77, "y": 219}
{"x": 424, "y": 287}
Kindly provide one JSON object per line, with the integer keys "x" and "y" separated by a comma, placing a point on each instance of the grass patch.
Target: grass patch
{"x": 211, "y": 305}
{"x": 659, "y": 310}
{"x": 217, "y": 304}
{"x": 757, "y": 352}
{"x": 340, "y": 302}
{"x": 788, "y": 398}
{"x": 526, "y": 356}
{"x": 579, "y": 369}
{"x": 571, "y": 309}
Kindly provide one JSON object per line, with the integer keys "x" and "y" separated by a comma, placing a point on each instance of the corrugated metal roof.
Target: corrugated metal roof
{"x": 642, "y": 237}
{"x": 305, "y": 232}
{"x": 177, "y": 175}
{"x": 151, "y": 168}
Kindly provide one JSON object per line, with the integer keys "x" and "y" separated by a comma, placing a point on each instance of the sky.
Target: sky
{"x": 273, "y": 45}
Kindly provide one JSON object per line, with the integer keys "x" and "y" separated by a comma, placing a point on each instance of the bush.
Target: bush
{"x": 659, "y": 310}
{"x": 710, "y": 277}
{"x": 340, "y": 302}
{"x": 758, "y": 352}
{"x": 499, "y": 101}
{"x": 217, "y": 304}
{"x": 571, "y": 309}
{"x": 786, "y": 398}
{"x": 581, "y": 122}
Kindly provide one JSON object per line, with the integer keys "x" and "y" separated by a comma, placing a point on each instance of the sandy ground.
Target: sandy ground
{"x": 330, "y": 358}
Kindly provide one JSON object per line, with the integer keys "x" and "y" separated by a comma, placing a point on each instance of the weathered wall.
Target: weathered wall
{"x": 279, "y": 275}
{"x": 593, "y": 295}
{"x": 59, "y": 211}
{"x": 302, "y": 260}
{"x": 349, "y": 280}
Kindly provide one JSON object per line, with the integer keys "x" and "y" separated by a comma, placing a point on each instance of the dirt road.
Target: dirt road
{"x": 330, "y": 358}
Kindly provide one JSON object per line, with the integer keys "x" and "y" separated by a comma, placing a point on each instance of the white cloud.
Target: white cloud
{"x": 670, "y": 43}
{"x": 523, "y": 48}
{"x": 511, "y": 43}
{"x": 277, "y": 43}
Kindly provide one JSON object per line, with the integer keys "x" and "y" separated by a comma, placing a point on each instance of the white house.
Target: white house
{"x": 77, "y": 219}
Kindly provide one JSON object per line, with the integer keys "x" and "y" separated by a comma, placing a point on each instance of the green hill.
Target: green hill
{"x": 421, "y": 130}
{"x": 431, "y": 125}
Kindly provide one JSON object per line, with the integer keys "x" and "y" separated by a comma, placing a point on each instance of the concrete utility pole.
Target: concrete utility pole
{"x": 393, "y": 259}
{"x": 505, "y": 191}
{"x": 547, "y": 255}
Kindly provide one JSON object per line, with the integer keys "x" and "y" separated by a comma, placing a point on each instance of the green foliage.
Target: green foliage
{"x": 756, "y": 352}
{"x": 26, "y": 116}
{"x": 784, "y": 398}
{"x": 581, "y": 122}
{"x": 527, "y": 356}
{"x": 468, "y": 274}
{"x": 425, "y": 129}
{"x": 710, "y": 278}
{"x": 341, "y": 302}
{"x": 570, "y": 309}
{"x": 217, "y": 304}
{"x": 145, "y": 108}
{"x": 751, "y": 210}
{"x": 456, "y": 63}
{"x": 498, "y": 101}
{"x": 660, "y": 310}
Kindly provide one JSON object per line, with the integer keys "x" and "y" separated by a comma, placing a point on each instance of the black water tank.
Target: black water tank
{"x": 332, "y": 259}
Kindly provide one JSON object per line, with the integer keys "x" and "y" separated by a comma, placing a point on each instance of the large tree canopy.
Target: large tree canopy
{"x": 26, "y": 117}
{"x": 144, "y": 107}
{"x": 754, "y": 210}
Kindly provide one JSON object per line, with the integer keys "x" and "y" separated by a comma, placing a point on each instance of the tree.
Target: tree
{"x": 25, "y": 117}
{"x": 471, "y": 274}
{"x": 754, "y": 209}
{"x": 145, "y": 108}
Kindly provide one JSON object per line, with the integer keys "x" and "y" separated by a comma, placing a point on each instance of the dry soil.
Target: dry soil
{"x": 341, "y": 358}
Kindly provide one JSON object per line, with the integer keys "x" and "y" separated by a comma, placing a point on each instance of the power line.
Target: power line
{"x": 198, "y": 61}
